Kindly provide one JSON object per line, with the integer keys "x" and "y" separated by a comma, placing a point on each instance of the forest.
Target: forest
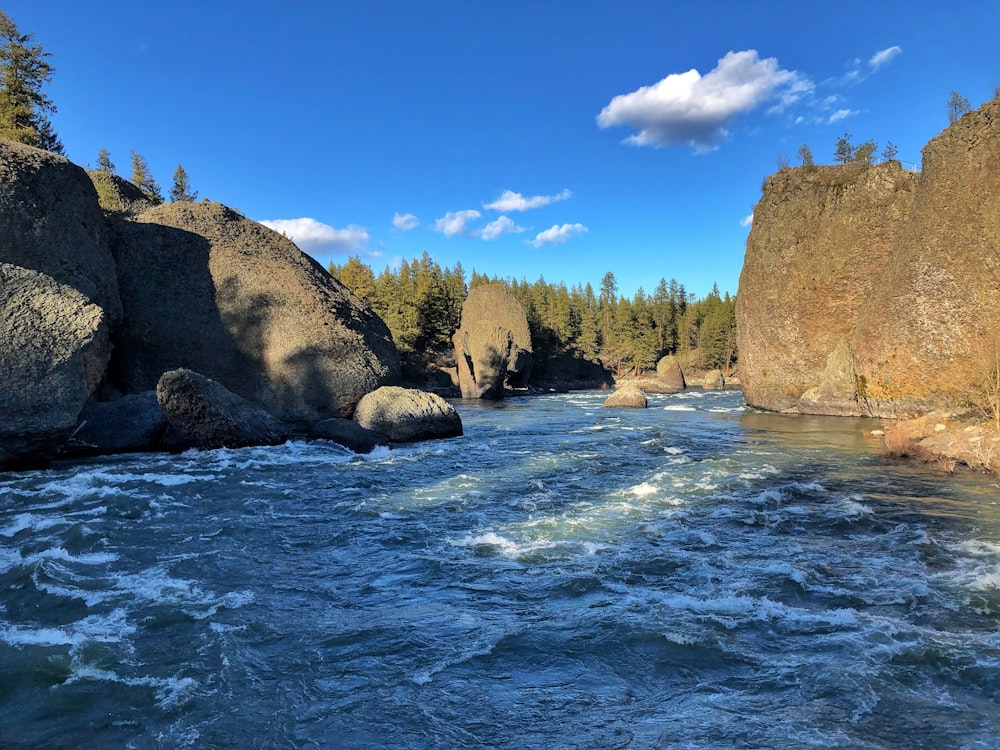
{"x": 421, "y": 303}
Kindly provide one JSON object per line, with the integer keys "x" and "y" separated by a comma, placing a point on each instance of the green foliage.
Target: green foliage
{"x": 865, "y": 152}
{"x": 843, "y": 152}
{"x": 143, "y": 179}
{"x": 421, "y": 303}
{"x": 957, "y": 106}
{"x": 104, "y": 163}
{"x": 181, "y": 190}
{"x": 806, "y": 155}
{"x": 24, "y": 109}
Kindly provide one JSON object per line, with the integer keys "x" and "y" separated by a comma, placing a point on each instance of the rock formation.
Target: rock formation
{"x": 868, "y": 290}
{"x": 54, "y": 347}
{"x": 204, "y": 288}
{"x": 493, "y": 343}
{"x": 128, "y": 424}
{"x": 668, "y": 372}
{"x": 630, "y": 396}
{"x": 205, "y": 414}
{"x": 405, "y": 415}
{"x": 50, "y": 222}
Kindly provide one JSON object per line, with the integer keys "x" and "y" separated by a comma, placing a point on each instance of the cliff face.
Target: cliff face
{"x": 868, "y": 290}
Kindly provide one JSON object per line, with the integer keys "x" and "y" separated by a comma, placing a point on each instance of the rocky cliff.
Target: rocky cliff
{"x": 868, "y": 290}
{"x": 96, "y": 305}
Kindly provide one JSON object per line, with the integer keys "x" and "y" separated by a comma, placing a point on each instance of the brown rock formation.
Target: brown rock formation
{"x": 206, "y": 289}
{"x": 867, "y": 290}
{"x": 668, "y": 371}
{"x": 493, "y": 343}
{"x": 54, "y": 347}
{"x": 630, "y": 396}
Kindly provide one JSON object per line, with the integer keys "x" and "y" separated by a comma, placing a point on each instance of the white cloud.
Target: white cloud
{"x": 556, "y": 235}
{"x": 455, "y": 222}
{"x": 746, "y": 220}
{"x": 406, "y": 222}
{"x": 884, "y": 56}
{"x": 317, "y": 238}
{"x": 502, "y": 225}
{"x": 695, "y": 109}
{"x": 840, "y": 114}
{"x": 511, "y": 201}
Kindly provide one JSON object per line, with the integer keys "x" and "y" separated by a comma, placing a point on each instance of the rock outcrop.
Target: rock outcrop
{"x": 50, "y": 222}
{"x": 406, "y": 415}
{"x": 493, "y": 343}
{"x": 630, "y": 396}
{"x": 668, "y": 372}
{"x": 205, "y": 414}
{"x": 126, "y": 425}
{"x": 868, "y": 290}
{"x": 206, "y": 289}
{"x": 349, "y": 434}
{"x": 54, "y": 346}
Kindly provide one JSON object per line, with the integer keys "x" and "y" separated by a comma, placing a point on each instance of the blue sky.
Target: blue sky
{"x": 523, "y": 138}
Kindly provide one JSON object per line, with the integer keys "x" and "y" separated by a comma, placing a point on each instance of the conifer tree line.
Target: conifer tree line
{"x": 24, "y": 108}
{"x": 421, "y": 303}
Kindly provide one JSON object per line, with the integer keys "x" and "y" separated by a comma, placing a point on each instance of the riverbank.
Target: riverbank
{"x": 946, "y": 441}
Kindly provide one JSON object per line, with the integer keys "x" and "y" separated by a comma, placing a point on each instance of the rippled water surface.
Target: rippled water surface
{"x": 692, "y": 575}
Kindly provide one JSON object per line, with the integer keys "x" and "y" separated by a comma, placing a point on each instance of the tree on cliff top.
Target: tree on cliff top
{"x": 181, "y": 191}
{"x": 24, "y": 109}
{"x": 958, "y": 105}
{"x": 143, "y": 179}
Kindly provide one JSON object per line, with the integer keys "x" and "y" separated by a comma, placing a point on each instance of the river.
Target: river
{"x": 693, "y": 575}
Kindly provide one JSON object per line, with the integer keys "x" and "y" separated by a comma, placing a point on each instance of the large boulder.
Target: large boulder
{"x": 206, "y": 289}
{"x": 630, "y": 396}
{"x": 406, "y": 415}
{"x": 207, "y": 415}
{"x": 492, "y": 344}
{"x": 668, "y": 371}
{"x": 50, "y": 222}
{"x": 349, "y": 434}
{"x": 54, "y": 346}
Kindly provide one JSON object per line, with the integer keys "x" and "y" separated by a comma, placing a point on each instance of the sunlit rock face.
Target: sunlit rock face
{"x": 872, "y": 290}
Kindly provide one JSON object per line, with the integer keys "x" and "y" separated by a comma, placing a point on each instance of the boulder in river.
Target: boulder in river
{"x": 406, "y": 415}
{"x": 630, "y": 396}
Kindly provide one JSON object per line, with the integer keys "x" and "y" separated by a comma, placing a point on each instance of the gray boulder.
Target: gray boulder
{"x": 668, "y": 371}
{"x": 50, "y": 222}
{"x": 493, "y": 343}
{"x": 630, "y": 396}
{"x": 349, "y": 434}
{"x": 202, "y": 412}
{"x": 206, "y": 289}
{"x": 54, "y": 346}
{"x": 406, "y": 415}
{"x": 713, "y": 380}
{"x": 128, "y": 424}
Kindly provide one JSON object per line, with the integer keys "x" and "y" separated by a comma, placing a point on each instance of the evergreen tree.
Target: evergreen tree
{"x": 958, "y": 105}
{"x": 104, "y": 163}
{"x": 181, "y": 190}
{"x": 143, "y": 179}
{"x": 24, "y": 109}
{"x": 890, "y": 151}
{"x": 865, "y": 152}
{"x": 806, "y": 155}
{"x": 844, "y": 151}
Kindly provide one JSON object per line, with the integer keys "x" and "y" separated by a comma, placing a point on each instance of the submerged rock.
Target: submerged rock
{"x": 349, "y": 434}
{"x": 406, "y": 415}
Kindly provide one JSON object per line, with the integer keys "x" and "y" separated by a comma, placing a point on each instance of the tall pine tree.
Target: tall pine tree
{"x": 24, "y": 109}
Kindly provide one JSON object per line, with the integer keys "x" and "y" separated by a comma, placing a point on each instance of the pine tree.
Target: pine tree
{"x": 181, "y": 191}
{"x": 24, "y": 109}
{"x": 142, "y": 178}
{"x": 958, "y": 105}
{"x": 104, "y": 163}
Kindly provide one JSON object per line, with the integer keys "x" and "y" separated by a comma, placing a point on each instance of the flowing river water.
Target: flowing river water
{"x": 693, "y": 575}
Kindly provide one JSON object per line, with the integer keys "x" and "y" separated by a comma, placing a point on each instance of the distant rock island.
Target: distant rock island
{"x": 871, "y": 290}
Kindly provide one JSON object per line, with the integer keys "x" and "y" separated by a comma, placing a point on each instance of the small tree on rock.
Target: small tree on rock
{"x": 104, "y": 163}
{"x": 806, "y": 155}
{"x": 181, "y": 191}
{"x": 844, "y": 150}
{"x": 865, "y": 152}
{"x": 142, "y": 178}
{"x": 958, "y": 105}
{"x": 890, "y": 151}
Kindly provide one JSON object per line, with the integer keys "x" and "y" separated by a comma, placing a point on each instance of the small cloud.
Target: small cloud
{"x": 455, "y": 222}
{"x": 406, "y": 222}
{"x": 503, "y": 225}
{"x": 841, "y": 114}
{"x": 557, "y": 235}
{"x": 746, "y": 220}
{"x": 884, "y": 56}
{"x": 319, "y": 239}
{"x": 511, "y": 201}
{"x": 689, "y": 108}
